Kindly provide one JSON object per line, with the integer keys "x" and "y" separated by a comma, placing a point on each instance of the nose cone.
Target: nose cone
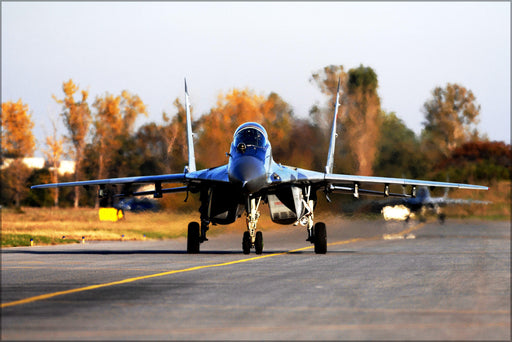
{"x": 248, "y": 172}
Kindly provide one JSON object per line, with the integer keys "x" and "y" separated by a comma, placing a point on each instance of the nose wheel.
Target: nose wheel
{"x": 257, "y": 245}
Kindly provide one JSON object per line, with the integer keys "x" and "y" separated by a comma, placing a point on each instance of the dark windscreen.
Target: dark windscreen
{"x": 250, "y": 137}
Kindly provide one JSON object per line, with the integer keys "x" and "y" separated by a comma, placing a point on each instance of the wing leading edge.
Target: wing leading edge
{"x": 340, "y": 178}
{"x": 171, "y": 178}
{"x": 213, "y": 175}
{"x": 355, "y": 184}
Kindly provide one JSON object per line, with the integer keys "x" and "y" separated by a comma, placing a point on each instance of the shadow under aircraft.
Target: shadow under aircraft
{"x": 252, "y": 177}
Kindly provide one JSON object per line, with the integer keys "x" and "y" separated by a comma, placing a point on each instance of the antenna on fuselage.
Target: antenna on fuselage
{"x": 190, "y": 139}
{"x": 330, "y": 156}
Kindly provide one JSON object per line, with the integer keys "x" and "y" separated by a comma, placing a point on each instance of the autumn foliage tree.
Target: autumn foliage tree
{"x": 326, "y": 80}
{"x": 478, "y": 161}
{"x": 53, "y": 154}
{"x": 17, "y": 138}
{"x": 361, "y": 119}
{"x": 398, "y": 150}
{"x": 234, "y": 108}
{"x": 174, "y": 134}
{"x": 77, "y": 119}
{"x": 358, "y": 114}
{"x": 163, "y": 148}
{"x": 113, "y": 125}
{"x": 450, "y": 118}
{"x": 17, "y": 142}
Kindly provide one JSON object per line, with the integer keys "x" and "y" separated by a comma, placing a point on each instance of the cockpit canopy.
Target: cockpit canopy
{"x": 251, "y": 134}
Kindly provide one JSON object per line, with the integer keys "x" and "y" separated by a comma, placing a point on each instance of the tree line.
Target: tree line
{"x": 101, "y": 137}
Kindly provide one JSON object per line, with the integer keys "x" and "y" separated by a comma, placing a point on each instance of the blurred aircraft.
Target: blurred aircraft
{"x": 252, "y": 177}
{"x": 137, "y": 205}
{"x": 401, "y": 209}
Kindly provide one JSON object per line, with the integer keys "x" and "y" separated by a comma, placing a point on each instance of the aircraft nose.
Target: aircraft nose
{"x": 249, "y": 172}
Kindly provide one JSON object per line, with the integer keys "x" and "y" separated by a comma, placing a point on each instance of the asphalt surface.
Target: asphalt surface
{"x": 378, "y": 281}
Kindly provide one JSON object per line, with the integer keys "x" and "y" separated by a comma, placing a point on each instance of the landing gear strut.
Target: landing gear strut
{"x": 251, "y": 238}
{"x": 440, "y": 215}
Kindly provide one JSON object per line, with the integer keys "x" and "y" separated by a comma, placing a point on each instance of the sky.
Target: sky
{"x": 149, "y": 48}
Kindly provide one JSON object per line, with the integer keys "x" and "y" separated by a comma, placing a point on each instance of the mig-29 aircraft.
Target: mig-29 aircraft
{"x": 251, "y": 177}
{"x": 422, "y": 203}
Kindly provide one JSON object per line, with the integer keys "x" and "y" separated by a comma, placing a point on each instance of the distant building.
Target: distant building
{"x": 65, "y": 166}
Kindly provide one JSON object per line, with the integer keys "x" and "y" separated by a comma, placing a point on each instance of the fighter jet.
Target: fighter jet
{"x": 251, "y": 178}
{"x": 421, "y": 204}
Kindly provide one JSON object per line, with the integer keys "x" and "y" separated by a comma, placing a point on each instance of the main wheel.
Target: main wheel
{"x": 258, "y": 243}
{"x": 320, "y": 238}
{"x": 246, "y": 243}
{"x": 193, "y": 238}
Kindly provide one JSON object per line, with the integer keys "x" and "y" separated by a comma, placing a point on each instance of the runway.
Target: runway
{"x": 378, "y": 281}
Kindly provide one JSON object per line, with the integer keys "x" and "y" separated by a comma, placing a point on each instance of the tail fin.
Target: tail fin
{"x": 330, "y": 156}
{"x": 190, "y": 138}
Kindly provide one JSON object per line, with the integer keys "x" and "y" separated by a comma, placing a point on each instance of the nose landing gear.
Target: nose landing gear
{"x": 252, "y": 238}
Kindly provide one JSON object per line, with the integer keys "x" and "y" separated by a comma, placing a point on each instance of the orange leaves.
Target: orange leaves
{"x": 133, "y": 106}
{"x": 108, "y": 120}
{"x": 360, "y": 106}
{"x": 69, "y": 88}
{"x": 17, "y": 138}
{"x": 76, "y": 115}
{"x": 233, "y": 109}
{"x": 77, "y": 119}
{"x": 55, "y": 149}
{"x": 115, "y": 116}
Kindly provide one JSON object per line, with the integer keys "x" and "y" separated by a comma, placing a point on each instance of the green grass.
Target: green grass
{"x": 16, "y": 240}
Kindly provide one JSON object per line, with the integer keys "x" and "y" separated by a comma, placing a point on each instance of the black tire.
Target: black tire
{"x": 246, "y": 243}
{"x": 320, "y": 238}
{"x": 258, "y": 243}
{"x": 193, "y": 238}
{"x": 442, "y": 218}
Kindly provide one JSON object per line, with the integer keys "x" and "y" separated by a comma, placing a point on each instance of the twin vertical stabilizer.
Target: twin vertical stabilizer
{"x": 330, "y": 156}
{"x": 190, "y": 138}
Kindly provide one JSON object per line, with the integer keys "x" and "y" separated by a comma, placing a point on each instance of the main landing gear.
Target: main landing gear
{"x": 440, "y": 215}
{"x": 317, "y": 233}
{"x": 196, "y": 236}
{"x": 320, "y": 238}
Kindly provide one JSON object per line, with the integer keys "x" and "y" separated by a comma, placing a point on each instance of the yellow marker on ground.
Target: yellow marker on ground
{"x": 111, "y": 214}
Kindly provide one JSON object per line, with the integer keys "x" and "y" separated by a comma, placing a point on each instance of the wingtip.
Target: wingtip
{"x": 186, "y": 90}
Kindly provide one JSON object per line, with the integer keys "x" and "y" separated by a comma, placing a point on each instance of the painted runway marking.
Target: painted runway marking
{"x": 195, "y": 268}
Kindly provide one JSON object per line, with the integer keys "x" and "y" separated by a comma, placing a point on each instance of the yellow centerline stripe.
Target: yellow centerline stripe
{"x": 195, "y": 268}
{"x": 128, "y": 280}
